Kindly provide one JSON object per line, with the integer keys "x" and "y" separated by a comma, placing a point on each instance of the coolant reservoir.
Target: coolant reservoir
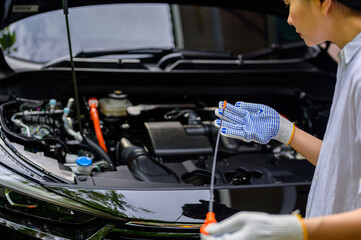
{"x": 84, "y": 165}
{"x": 115, "y": 106}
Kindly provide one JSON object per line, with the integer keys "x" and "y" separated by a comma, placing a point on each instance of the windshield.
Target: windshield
{"x": 43, "y": 37}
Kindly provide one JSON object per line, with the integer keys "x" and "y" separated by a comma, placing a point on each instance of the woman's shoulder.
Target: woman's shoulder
{"x": 354, "y": 67}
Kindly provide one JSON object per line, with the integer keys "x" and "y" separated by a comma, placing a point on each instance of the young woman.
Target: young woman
{"x": 334, "y": 202}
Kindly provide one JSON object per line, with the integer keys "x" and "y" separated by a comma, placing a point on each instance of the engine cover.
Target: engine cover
{"x": 171, "y": 139}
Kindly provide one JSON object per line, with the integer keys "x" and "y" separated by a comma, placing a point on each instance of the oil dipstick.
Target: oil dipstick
{"x": 211, "y": 217}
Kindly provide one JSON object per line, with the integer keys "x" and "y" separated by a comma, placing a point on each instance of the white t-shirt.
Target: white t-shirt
{"x": 336, "y": 185}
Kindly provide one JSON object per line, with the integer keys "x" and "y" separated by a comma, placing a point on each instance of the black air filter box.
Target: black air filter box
{"x": 171, "y": 139}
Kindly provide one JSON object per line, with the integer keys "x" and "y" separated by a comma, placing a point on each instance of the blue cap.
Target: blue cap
{"x": 52, "y": 101}
{"x": 84, "y": 161}
{"x": 66, "y": 110}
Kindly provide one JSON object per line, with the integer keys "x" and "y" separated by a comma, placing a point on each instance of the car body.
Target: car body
{"x": 155, "y": 109}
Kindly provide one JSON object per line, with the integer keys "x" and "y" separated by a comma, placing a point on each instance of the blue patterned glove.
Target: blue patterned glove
{"x": 254, "y": 122}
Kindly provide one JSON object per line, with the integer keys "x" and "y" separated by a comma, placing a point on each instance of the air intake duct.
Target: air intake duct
{"x": 142, "y": 165}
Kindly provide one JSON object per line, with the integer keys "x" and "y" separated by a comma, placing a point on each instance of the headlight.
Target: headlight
{"x": 37, "y": 208}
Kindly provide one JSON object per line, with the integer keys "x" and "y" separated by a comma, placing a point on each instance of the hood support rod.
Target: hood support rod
{"x": 75, "y": 85}
{"x": 93, "y": 147}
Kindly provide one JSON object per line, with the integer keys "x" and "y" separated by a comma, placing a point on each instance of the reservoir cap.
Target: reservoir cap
{"x": 84, "y": 161}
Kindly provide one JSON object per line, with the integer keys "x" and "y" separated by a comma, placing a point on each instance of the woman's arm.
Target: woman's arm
{"x": 307, "y": 145}
{"x": 342, "y": 226}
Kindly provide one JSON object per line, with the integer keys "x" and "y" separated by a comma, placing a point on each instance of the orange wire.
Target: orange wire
{"x": 95, "y": 117}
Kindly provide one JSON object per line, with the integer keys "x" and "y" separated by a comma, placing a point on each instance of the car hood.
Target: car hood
{"x": 14, "y": 10}
{"x": 180, "y": 205}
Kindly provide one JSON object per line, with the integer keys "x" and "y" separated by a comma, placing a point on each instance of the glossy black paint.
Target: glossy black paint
{"x": 189, "y": 205}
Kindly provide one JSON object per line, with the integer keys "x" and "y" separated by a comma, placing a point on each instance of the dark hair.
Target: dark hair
{"x": 353, "y": 4}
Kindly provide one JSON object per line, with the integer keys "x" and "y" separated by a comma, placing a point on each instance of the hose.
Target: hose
{"x": 94, "y": 115}
{"x": 98, "y": 151}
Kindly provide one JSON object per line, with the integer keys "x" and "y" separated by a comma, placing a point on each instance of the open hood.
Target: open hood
{"x": 14, "y": 10}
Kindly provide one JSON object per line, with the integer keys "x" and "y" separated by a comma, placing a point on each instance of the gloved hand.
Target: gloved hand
{"x": 257, "y": 226}
{"x": 254, "y": 122}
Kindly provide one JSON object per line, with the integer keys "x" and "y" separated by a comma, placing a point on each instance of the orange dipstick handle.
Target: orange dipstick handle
{"x": 94, "y": 115}
{"x": 210, "y": 218}
{"x": 224, "y": 104}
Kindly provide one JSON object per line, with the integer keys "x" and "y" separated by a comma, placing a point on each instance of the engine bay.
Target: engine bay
{"x": 122, "y": 139}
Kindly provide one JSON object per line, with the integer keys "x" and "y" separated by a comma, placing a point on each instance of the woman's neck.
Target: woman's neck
{"x": 346, "y": 28}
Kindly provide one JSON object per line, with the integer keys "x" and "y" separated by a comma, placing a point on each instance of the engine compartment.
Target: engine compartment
{"x": 144, "y": 142}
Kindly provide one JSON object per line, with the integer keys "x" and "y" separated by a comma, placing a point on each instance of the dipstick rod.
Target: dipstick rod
{"x": 210, "y": 209}
{"x": 211, "y": 217}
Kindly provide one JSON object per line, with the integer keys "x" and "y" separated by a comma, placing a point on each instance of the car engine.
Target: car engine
{"x": 141, "y": 141}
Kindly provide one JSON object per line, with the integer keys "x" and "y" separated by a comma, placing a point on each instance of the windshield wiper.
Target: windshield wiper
{"x": 138, "y": 58}
{"x": 191, "y": 54}
{"x": 275, "y": 49}
{"x": 90, "y": 53}
{"x": 163, "y": 57}
{"x": 156, "y": 54}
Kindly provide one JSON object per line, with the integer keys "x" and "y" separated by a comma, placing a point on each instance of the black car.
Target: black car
{"x": 122, "y": 147}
